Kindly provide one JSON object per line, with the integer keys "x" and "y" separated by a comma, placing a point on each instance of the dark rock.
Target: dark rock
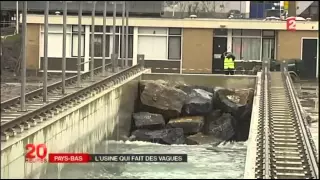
{"x": 161, "y": 99}
{"x": 242, "y": 124}
{"x": 221, "y": 101}
{"x": 190, "y": 125}
{"x": 146, "y": 120}
{"x": 188, "y": 89}
{"x": 212, "y": 116}
{"x": 199, "y": 138}
{"x": 222, "y": 128}
{"x": 245, "y": 96}
{"x": 164, "y": 136}
{"x": 199, "y": 102}
{"x": 143, "y": 83}
{"x": 140, "y": 135}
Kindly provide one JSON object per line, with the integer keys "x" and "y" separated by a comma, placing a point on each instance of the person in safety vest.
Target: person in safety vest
{"x": 229, "y": 63}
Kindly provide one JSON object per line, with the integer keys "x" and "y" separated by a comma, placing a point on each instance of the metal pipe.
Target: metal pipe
{"x": 92, "y": 39}
{"x": 79, "y": 45}
{"x": 65, "y": 9}
{"x": 24, "y": 56}
{"x": 104, "y": 39}
{"x": 127, "y": 34}
{"x": 45, "y": 52}
{"x": 122, "y": 35}
{"x": 114, "y": 37}
{"x": 17, "y": 17}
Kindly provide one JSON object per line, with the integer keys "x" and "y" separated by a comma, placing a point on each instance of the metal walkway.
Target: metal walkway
{"x": 285, "y": 147}
{"x": 13, "y": 121}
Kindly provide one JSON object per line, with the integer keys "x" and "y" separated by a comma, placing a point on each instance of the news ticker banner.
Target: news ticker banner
{"x": 87, "y": 158}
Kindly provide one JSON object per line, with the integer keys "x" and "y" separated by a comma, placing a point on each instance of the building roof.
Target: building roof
{"x": 135, "y": 7}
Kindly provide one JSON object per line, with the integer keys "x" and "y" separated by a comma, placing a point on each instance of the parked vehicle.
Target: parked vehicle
{"x": 235, "y": 14}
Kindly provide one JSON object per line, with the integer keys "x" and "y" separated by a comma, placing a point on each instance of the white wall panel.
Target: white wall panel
{"x": 56, "y": 28}
{"x": 55, "y": 45}
{"x": 150, "y": 30}
{"x": 154, "y": 48}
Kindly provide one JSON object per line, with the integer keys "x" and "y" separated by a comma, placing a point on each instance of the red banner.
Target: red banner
{"x": 291, "y": 23}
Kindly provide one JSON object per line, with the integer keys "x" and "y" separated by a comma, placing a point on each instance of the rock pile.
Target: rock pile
{"x": 185, "y": 114}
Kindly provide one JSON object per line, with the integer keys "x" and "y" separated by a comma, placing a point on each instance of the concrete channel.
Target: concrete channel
{"x": 106, "y": 115}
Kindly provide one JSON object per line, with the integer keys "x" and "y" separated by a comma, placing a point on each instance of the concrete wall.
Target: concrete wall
{"x": 235, "y": 81}
{"x": 289, "y": 43}
{"x": 74, "y": 130}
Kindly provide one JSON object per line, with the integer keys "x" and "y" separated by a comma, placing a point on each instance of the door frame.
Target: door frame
{"x": 314, "y": 38}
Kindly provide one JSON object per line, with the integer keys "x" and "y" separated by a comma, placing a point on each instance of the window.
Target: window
{"x": 246, "y": 44}
{"x": 220, "y": 32}
{"x": 160, "y": 43}
{"x": 174, "y": 44}
{"x": 55, "y": 36}
{"x": 267, "y": 33}
{"x": 98, "y": 36}
{"x": 75, "y": 41}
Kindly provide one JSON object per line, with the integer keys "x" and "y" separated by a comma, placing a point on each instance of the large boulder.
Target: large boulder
{"x": 223, "y": 127}
{"x": 146, "y": 120}
{"x": 141, "y": 135}
{"x": 143, "y": 83}
{"x": 242, "y": 124}
{"x": 199, "y": 138}
{"x": 244, "y": 96}
{"x": 199, "y": 102}
{"x": 212, "y": 116}
{"x": 222, "y": 100}
{"x": 190, "y": 125}
{"x": 161, "y": 99}
{"x": 188, "y": 89}
{"x": 164, "y": 136}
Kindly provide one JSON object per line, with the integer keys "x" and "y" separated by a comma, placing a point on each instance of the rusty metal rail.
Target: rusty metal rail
{"x": 25, "y": 121}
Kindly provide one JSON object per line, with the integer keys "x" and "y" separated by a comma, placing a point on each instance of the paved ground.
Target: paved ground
{"x": 309, "y": 99}
{"x": 10, "y": 84}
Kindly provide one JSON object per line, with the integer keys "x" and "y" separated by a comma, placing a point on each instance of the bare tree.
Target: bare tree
{"x": 191, "y": 7}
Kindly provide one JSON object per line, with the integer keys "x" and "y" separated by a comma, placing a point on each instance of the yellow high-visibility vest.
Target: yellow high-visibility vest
{"x": 228, "y": 63}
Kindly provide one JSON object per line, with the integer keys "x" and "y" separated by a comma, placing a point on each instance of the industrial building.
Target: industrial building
{"x": 178, "y": 45}
{"x": 173, "y": 44}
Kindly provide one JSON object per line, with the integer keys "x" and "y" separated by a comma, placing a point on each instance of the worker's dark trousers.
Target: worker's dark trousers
{"x": 229, "y": 71}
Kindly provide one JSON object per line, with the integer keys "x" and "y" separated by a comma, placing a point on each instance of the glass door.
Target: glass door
{"x": 267, "y": 49}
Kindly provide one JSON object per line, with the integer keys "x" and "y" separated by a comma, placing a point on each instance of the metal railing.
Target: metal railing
{"x": 78, "y": 77}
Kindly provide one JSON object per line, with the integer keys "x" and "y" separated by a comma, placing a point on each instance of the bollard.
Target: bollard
{"x": 284, "y": 65}
{"x": 127, "y": 33}
{"x": 140, "y": 58}
{"x": 104, "y": 39}
{"x": 114, "y": 60}
{"x": 24, "y": 57}
{"x": 93, "y": 14}
{"x": 45, "y": 54}
{"x": 79, "y": 45}
{"x": 316, "y": 106}
{"x": 114, "y": 36}
{"x": 122, "y": 65}
{"x": 64, "y": 46}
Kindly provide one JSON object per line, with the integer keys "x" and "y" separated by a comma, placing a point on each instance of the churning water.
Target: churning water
{"x": 225, "y": 161}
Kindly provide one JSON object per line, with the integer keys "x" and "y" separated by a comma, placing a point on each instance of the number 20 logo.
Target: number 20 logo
{"x": 36, "y": 152}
